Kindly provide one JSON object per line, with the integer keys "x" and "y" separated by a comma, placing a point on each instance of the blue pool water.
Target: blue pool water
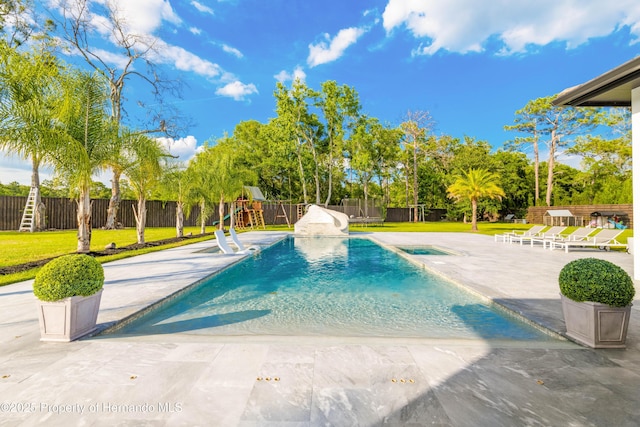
{"x": 334, "y": 287}
{"x": 423, "y": 250}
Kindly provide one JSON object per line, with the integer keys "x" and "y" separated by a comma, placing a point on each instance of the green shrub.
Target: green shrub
{"x": 596, "y": 280}
{"x": 68, "y": 276}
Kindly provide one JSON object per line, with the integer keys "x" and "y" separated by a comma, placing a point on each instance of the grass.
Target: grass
{"x": 20, "y": 248}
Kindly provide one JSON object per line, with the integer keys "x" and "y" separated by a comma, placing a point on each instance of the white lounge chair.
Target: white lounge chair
{"x": 579, "y": 234}
{"x": 238, "y": 243}
{"x": 505, "y": 237}
{"x": 221, "y": 240}
{"x": 605, "y": 239}
{"x": 550, "y": 233}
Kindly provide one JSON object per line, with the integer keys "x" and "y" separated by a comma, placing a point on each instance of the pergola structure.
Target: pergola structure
{"x": 619, "y": 87}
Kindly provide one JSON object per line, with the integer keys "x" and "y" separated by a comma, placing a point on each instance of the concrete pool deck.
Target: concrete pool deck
{"x": 187, "y": 379}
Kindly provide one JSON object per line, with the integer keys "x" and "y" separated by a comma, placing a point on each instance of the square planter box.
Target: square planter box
{"x": 596, "y": 325}
{"x": 68, "y": 319}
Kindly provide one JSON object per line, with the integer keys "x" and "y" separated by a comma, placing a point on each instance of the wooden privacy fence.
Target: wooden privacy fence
{"x": 60, "y": 213}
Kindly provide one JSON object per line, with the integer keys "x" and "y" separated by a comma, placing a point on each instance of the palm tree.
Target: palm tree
{"x": 174, "y": 186}
{"x": 199, "y": 186}
{"x": 229, "y": 175}
{"x": 474, "y": 185}
{"x": 144, "y": 170}
{"x": 82, "y": 143}
{"x": 29, "y": 98}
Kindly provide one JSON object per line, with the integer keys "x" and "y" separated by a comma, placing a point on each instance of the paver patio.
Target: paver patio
{"x": 188, "y": 379}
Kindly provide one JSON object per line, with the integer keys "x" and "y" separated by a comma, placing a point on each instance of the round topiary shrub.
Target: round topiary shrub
{"x": 68, "y": 276}
{"x": 596, "y": 280}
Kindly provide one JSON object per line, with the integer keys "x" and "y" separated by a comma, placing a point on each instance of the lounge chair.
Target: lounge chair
{"x": 605, "y": 239}
{"x": 505, "y": 237}
{"x": 550, "y": 233}
{"x": 221, "y": 240}
{"x": 238, "y": 243}
{"x": 579, "y": 234}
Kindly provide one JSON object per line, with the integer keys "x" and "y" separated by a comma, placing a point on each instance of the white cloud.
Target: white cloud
{"x": 185, "y": 148}
{"x": 187, "y": 61}
{"x": 143, "y": 17}
{"x": 284, "y": 76}
{"x": 237, "y": 90}
{"x": 233, "y": 51}
{"x": 330, "y": 50}
{"x": 466, "y": 25}
{"x": 195, "y": 31}
{"x": 202, "y": 8}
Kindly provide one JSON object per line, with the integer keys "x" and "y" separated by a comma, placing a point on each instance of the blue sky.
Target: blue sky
{"x": 470, "y": 63}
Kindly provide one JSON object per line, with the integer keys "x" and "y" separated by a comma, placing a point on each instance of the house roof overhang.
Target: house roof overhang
{"x": 611, "y": 89}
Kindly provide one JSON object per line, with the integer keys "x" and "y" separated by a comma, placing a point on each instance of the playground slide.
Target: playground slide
{"x": 618, "y": 225}
{"x": 226, "y": 217}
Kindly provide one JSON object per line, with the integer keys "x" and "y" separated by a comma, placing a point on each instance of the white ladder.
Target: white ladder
{"x": 28, "y": 222}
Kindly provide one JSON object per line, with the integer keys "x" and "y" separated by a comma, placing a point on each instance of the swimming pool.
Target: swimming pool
{"x": 423, "y": 250}
{"x": 333, "y": 287}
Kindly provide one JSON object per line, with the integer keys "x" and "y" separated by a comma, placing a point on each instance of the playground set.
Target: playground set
{"x": 249, "y": 212}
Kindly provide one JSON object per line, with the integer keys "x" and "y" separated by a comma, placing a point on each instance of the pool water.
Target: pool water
{"x": 333, "y": 287}
{"x": 423, "y": 250}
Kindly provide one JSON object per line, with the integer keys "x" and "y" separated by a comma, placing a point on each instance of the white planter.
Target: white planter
{"x": 68, "y": 319}
{"x": 596, "y": 325}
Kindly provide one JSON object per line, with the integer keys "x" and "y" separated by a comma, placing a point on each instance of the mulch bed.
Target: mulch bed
{"x": 33, "y": 264}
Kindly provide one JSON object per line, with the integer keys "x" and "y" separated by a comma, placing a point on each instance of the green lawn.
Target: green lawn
{"x": 20, "y": 248}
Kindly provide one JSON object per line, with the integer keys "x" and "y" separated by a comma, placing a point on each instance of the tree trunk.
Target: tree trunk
{"x": 406, "y": 184}
{"x": 221, "y": 213}
{"x": 330, "y": 189}
{"x": 474, "y": 214}
{"x": 232, "y": 216}
{"x": 41, "y": 215}
{"x": 203, "y": 217}
{"x": 179, "y": 219}
{"x": 316, "y": 177}
{"x": 40, "y": 208}
{"x": 365, "y": 187}
{"x": 551, "y": 164}
{"x": 536, "y": 168}
{"x": 301, "y": 171}
{"x": 141, "y": 218}
{"x": 84, "y": 221}
{"x": 114, "y": 202}
{"x": 415, "y": 179}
